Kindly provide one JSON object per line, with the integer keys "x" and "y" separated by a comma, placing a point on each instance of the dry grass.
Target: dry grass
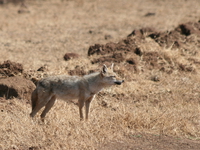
{"x": 168, "y": 107}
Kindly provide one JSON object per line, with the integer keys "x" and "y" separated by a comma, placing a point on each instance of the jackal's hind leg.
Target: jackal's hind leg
{"x": 42, "y": 101}
{"x": 80, "y": 105}
{"x": 48, "y": 106}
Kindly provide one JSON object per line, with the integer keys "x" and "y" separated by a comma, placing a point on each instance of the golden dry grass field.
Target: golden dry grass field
{"x": 158, "y": 106}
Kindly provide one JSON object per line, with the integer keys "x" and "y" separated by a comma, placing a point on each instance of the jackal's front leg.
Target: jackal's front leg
{"x": 87, "y": 106}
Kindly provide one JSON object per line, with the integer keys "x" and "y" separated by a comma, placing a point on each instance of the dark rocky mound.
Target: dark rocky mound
{"x": 130, "y": 52}
{"x": 9, "y": 69}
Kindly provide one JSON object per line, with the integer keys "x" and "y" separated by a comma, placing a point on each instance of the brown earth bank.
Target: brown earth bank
{"x": 16, "y": 87}
{"x": 155, "y": 47}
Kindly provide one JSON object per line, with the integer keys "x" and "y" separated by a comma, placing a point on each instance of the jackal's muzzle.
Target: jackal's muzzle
{"x": 119, "y": 82}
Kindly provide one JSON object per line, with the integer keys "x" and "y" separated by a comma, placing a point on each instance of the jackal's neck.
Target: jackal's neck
{"x": 95, "y": 82}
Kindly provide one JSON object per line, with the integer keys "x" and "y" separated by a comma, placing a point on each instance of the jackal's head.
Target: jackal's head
{"x": 109, "y": 77}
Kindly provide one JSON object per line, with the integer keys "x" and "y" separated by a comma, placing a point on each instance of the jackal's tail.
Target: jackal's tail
{"x": 34, "y": 98}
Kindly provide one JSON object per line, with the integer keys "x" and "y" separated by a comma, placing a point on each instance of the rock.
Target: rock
{"x": 43, "y": 68}
{"x": 69, "y": 56}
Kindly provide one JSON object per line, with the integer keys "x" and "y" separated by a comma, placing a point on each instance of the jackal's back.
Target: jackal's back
{"x": 62, "y": 86}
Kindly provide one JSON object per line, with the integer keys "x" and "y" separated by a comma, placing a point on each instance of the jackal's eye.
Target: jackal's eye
{"x": 113, "y": 76}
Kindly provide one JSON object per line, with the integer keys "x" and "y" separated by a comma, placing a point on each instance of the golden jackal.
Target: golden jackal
{"x": 71, "y": 87}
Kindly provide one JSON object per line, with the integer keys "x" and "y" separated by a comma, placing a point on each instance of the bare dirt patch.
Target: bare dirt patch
{"x": 140, "y": 141}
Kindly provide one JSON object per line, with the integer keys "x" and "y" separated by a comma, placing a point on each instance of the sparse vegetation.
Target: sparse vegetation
{"x": 157, "y": 105}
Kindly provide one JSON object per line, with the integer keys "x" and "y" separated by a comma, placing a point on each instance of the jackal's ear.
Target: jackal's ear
{"x": 104, "y": 69}
{"x": 112, "y": 66}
